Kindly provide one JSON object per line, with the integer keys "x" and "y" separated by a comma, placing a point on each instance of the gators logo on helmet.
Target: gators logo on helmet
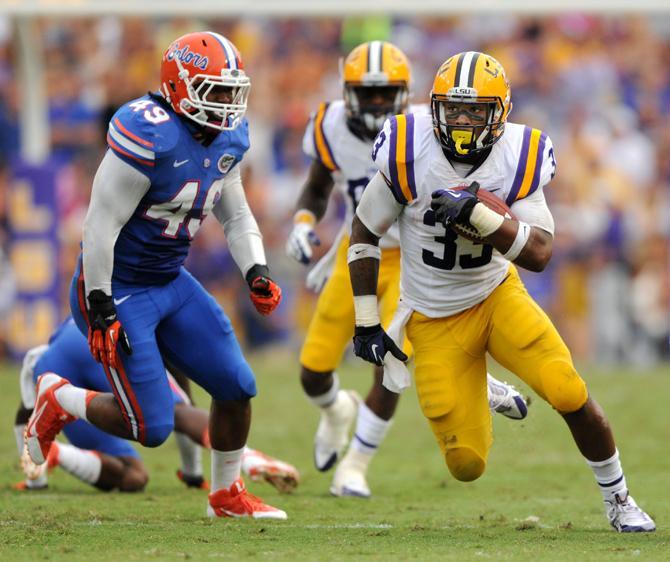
{"x": 203, "y": 79}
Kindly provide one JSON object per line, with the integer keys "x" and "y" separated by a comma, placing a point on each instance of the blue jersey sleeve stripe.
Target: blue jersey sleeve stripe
{"x": 393, "y": 165}
{"x": 538, "y": 164}
{"x": 125, "y": 154}
{"x": 521, "y": 167}
{"x": 130, "y": 146}
{"x": 410, "y": 155}
{"x": 119, "y": 126}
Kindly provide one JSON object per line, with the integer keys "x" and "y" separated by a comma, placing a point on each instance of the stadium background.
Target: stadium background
{"x": 598, "y": 84}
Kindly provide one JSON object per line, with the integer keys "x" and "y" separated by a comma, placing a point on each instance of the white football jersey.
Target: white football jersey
{"x": 329, "y": 140}
{"x": 443, "y": 273}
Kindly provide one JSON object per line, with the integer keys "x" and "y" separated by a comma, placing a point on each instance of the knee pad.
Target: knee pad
{"x": 464, "y": 463}
{"x": 563, "y": 388}
{"x": 155, "y": 435}
{"x": 436, "y": 402}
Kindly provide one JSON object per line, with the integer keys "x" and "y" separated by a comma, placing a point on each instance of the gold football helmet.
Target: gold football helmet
{"x": 376, "y": 79}
{"x": 470, "y": 78}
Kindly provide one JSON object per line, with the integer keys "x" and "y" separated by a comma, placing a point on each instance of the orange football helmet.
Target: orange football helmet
{"x": 376, "y": 78}
{"x": 470, "y": 78}
{"x": 203, "y": 79}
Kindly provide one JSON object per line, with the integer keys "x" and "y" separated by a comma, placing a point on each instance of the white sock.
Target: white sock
{"x": 609, "y": 476}
{"x": 326, "y": 399}
{"x": 370, "y": 431}
{"x": 226, "y": 466}
{"x": 84, "y": 465}
{"x": 190, "y": 453}
{"x": 73, "y": 400}
{"x": 18, "y": 434}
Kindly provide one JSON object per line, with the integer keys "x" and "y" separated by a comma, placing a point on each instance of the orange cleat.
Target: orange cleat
{"x": 48, "y": 418}
{"x": 237, "y": 502}
{"x": 259, "y": 466}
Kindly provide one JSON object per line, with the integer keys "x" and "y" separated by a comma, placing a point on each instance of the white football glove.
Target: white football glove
{"x": 300, "y": 242}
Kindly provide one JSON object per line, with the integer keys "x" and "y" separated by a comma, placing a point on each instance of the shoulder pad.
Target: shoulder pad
{"x": 141, "y": 130}
{"x": 317, "y": 140}
{"x": 536, "y": 165}
{"x": 394, "y": 154}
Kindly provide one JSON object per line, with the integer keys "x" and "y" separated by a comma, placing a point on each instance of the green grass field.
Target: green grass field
{"x": 537, "y": 500}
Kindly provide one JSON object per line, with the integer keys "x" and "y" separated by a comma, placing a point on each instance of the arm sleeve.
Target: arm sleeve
{"x": 378, "y": 209}
{"x": 118, "y": 189}
{"x": 242, "y": 233}
{"x": 534, "y": 210}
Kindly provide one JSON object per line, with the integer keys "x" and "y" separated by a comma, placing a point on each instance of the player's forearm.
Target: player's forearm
{"x": 535, "y": 250}
{"x": 363, "y": 272}
{"x": 316, "y": 191}
{"x": 239, "y": 225}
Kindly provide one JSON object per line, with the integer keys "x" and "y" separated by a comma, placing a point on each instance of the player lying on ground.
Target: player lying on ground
{"x": 339, "y": 139}
{"x": 461, "y": 299}
{"x": 174, "y": 157}
{"x": 109, "y": 462}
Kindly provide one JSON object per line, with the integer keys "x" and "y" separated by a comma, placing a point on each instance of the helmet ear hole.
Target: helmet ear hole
{"x": 172, "y": 86}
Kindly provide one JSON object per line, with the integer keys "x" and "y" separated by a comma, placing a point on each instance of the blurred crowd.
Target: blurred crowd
{"x": 599, "y": 86}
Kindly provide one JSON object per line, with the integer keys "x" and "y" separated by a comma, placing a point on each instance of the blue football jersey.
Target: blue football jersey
{"x": 148, "y": 135}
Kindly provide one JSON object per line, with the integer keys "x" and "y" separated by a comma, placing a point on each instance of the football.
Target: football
{"x": 492, "y": 202}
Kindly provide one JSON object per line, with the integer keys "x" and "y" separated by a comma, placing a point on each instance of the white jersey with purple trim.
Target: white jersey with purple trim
{"x": 329, "y": 140}
{"x": 443, "y": 273}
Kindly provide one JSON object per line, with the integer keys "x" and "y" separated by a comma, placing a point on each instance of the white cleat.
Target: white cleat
{"x": 259, "y": 466}
{"x": 349, "y": 479}
{"x": 505, "y": 399}
{"x": 332, "y": 434}
{"x": 626, "y": 517}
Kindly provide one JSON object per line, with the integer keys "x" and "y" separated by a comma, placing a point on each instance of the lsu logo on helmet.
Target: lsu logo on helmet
{"x": 203, "y": 79}
{"x": 470, "y": 78}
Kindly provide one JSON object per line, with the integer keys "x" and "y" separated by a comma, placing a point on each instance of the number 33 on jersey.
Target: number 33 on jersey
{"x": 185, "y": 178}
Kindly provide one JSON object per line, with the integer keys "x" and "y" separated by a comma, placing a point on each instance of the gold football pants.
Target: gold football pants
{"x": 332, "y": 326}
{"x": 450, "y": 369}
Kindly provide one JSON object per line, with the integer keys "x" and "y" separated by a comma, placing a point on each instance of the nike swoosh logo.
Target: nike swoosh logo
{"x": 456, "y": 194}
{"x": 374, "y": 351}
{"x": 36, "y": 418}
{"x": 117, "y": 302}
{"x": 176, "y": 163}
{"x": 492, "y": 190}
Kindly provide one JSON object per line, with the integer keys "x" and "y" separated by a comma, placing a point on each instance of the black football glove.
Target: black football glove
{"x": 454, "y": 205}
{"x": 105, "y": 330}
{"x": 372, "y": 343}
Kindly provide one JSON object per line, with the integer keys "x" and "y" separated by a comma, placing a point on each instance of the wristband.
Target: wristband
{"x": 367, "y": 313}
{"x": 485, "y": 220}
{"x": 522, "y": 235}
{"x": 360, "y": 251}
{"x": 304, "y": 216}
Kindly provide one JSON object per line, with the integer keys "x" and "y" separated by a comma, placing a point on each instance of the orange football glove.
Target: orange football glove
{"x": 105, "y": 331}
{"x": 265, "y": 294}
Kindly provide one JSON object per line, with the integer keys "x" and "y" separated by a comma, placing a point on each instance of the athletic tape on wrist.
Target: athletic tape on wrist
{"x": 485, "y": 220}
{"x": 304, "y": 216}
{"x": 519, "y": 243}
{"x": 366, "y": 311}
{"x": 360, "y": 251}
